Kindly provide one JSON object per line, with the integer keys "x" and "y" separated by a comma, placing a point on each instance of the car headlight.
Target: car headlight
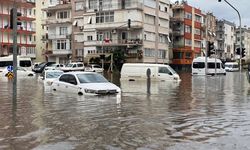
{"x": 89, "y": 91}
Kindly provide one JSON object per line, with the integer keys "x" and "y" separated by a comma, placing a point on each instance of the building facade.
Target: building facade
{"x": 26, "y": 31}
{"x": 225, "y": 34}
{"x": 245, "y": 33}
{"x": 105, "y": 29}
{"x": 58, "y": 24}
{"x": 40, "y": 31}
{"x": 208, "y": 31}
{"x": 186, "y": 34}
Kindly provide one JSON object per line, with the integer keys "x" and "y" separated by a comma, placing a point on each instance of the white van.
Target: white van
{"x": 232, "y": 66}
{"x": 22, "y": 61}
{"x": 198, "y": 66}
{"x": 141, "y": 71}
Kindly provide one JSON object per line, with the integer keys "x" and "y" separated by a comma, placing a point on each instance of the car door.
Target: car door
{"x": 67, "y": 83}
{"x": 164, "y": 74}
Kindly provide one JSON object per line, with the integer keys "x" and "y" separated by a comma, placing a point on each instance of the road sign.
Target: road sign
{"x": 10, "y": 68}
{"x": 10, "y": 75}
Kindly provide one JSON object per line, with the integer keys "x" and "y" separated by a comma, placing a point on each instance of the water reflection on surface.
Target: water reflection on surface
{"x": 196, "y": 113}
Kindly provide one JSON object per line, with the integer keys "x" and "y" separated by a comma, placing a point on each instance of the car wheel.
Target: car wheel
{"x": 80, "y": 93}
{"x": 54, "y": 89}
{"x": 30, "y": 75}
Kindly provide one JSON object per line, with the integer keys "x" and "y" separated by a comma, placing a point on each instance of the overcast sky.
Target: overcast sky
{"x": 223, "y": 11}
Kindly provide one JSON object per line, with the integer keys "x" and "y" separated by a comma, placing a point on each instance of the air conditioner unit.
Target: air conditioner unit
{"x": 114, "y": 31}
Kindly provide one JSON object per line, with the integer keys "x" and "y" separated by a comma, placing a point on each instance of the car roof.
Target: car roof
{"x": 80, "y": 72}
{"x": 53, "y": 70}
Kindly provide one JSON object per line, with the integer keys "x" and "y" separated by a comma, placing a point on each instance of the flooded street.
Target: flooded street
{"x": 197, "y": 113}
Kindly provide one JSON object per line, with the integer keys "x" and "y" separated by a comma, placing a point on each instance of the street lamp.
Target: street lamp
{"x": 240, "y": 29}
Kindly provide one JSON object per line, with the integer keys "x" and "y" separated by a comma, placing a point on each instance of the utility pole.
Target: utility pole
{"x": 13, "y": 15}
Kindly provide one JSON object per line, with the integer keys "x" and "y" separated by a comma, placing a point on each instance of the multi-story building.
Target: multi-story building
{"x": 225, "y": 34}
{"x": 245, "y": 33}
{"x": 78, "y": 9}
{"x": 186, "y": 28}
{"x": 58, "y": 23}
{"x": 40, "y": 31}
{"x": 105, "y": 29}
{"x": 208, "y": 31}
{"x": 26, "y": 32}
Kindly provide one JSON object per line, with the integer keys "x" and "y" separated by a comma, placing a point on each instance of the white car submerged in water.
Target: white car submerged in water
{"x": 84, "y": 83}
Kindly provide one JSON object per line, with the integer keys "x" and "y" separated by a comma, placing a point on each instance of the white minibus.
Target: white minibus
{"x": 214, "y": 66}
{"x": 22, "y": 61}
{"x": 232, "y": 66}
{"x": 141, "y": 71}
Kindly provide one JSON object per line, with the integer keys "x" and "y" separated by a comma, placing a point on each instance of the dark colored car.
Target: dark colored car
{"x": 41, "y": 66}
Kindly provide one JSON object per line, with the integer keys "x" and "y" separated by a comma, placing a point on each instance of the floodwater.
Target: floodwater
{"x": 197, "y": 113}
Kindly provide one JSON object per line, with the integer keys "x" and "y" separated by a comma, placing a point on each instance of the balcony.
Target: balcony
{"x": 62, "y": 52}
{"x": 114, "y": 6}
{"x": 57, "y": 21}
{"x": 59, "y": 5}
{"x": 57, "y": 36}
{"x": 115, "y": 42}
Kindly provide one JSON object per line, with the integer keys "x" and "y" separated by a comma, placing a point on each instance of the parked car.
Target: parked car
{"x": 75, "y": 66}
{"x": 94, "y": 68}
{"x": 48, "y": 76}
{"x": 41, "y": 66}
{"x": 232, "y": 66}
{"x": 54, "y": 67}
{"x": 84, "y": 83}
{"x": 21, "y": 72}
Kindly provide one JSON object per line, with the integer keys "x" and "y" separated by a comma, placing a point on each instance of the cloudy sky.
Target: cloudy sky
{"x": 223, "y": 11}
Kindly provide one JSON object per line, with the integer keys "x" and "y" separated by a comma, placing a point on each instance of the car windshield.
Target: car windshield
{"x": 53, "y": 74}
{"x": 91, "y": 78}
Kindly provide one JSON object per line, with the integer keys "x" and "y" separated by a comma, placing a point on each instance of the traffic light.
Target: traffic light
{"x": 243, "y": 53}
{"x": 210, "y": 50}
{"x": 237, "y": 51}
{"x": 12, "y": 18}
{"x": 129, "y": 23}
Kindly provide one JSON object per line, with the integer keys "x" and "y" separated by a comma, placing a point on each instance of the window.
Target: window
{"x": 79, "y": 6}
{"x": 197, "y": 18}
{"x": 166, "y": 9}
{"x": 163, "y": 38}
{"x": 63, "y": 15}
{"x": 212, "y": 65}
{"x": 188, "y": 29}
{"x": 92, "y": 4}
{"x": 63, "y": 31}
{"x": 89, "y": 38}
{"x": 164, "y": 70}
{"x": 188, "y": 42}
{"x": 149, "y": 19}
{"x": 198, "y": 65}
{"x": 177, "y": 55}
{"x": 188, "y": 15}
{"x": 25, "y": 63}
{"x": 105, "y": 17}
{"x": 197, "y": 31}
{"x": 61, "y": 44}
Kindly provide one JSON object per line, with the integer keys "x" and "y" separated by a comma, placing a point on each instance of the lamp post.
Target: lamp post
{"x": 240, "y": 30}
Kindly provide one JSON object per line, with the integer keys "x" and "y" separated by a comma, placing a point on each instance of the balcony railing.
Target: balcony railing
{"x": 114, "y": 42}
{"x": 57, "y": 36}
{"x": 62, "y": 52}
{"x": 58, "y": 21}
{"x": 114, "y": 6}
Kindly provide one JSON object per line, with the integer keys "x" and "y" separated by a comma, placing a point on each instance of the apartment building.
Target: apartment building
{"x": 245, "y": 33}
{"x": 208, "y": 31}
{"x": 225, "y": 34}
{"x": 186, "y": 28}
{"x": 58, "y": 24}
{"x": 105, "y": 29}
{"x": 26, "y": 32}
{"x": 41, "y": 30}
